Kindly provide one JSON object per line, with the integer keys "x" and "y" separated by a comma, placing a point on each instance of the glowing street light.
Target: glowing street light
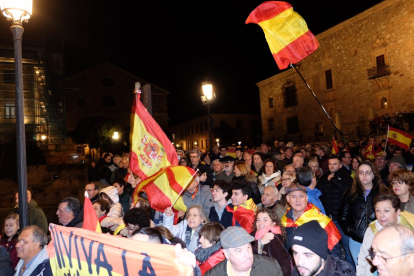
{"x": 115, "y": 135}
{"x": 18, "y": 11}
{"x": 207, "y": 98}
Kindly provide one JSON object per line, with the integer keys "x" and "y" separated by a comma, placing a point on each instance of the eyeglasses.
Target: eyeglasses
{"x": 372, "y": 255}
{"x": 399, "y": 183}
{"x": 367, "y": 173}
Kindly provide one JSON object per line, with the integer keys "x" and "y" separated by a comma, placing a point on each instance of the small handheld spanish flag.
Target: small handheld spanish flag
{"x": 335, "y": 148}
{"x": 286, "y": 32}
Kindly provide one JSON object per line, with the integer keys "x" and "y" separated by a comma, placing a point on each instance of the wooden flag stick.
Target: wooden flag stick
{"x": 185, "y": 187}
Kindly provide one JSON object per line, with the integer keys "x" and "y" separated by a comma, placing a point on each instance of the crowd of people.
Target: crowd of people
{"x": 273, "y": 210}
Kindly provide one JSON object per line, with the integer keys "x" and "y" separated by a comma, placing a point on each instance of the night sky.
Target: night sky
{"x": 177, "y": 44}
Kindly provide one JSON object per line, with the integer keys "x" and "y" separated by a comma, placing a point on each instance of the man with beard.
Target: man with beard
{"x": 237, "y": 248}
{"x": 228, "y": 169}
{"x": 309, "y": 244}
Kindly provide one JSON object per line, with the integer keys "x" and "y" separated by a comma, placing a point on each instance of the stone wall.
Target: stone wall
{"x": 348, "y": 50}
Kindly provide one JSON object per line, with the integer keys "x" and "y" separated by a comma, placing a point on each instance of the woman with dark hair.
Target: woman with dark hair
{"x": 10, "y": 237}
{"x": 356, "y": 161}
{"x": 356, "y": 211}
{"x": 242, "y": 172}
{"x": 270, "y": 176}
{"x": 270, "y": 236}
{"x": 387, "y": 210}
{"x": 402, "y": 183}
{"x": 184, "y": 161}
{"x": 210, "y": 252}
{"x": 257, "y": 163}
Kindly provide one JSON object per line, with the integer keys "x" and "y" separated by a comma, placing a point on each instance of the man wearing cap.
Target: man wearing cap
{"x": 397, "y": 162}
{"x": 309, "y": 244}
{"x": 228, "y": 173}
{"x": 237, "y": 249}
{"x": 196, "y": 164}
{"x": 302, "y": 212}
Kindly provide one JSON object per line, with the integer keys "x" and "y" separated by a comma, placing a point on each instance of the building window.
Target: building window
{"x": 328, "y": 77}
{"x": 201, "y": 127}
{"x": 8, "y": 76}
{"x": 189, "y": 145}
{"x": 271, "y": 122}
{"x": 384, "y": 103}
{"x": 319, "y": 129}
{"x": 192, "y": 129}
{"x": 380, "y": 62}
{"x": 206, "y": 125}
{"x": 206, "y": 143}
{"x": 81, "y": 102}
{"x": 108, "y": 101}
{"x": 292, "y": 125}
{"x": 202, "y": 144}
{"x": 9, "y": 111}
{"x": 290, "y": 96}
{"x": 271, "y": 102}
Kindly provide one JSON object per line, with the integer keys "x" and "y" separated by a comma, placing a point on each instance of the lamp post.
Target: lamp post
{"x": 207, "y": 98}
{"x": 18, "y": 11}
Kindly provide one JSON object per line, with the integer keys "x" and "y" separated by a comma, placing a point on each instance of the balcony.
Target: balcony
{"x": 377, "y": 72}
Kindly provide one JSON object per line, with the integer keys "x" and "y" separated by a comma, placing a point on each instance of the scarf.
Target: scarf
{"x": 191, "y": 241}
{"x": 202, "y": 254}
{"x": 260, "y": 233}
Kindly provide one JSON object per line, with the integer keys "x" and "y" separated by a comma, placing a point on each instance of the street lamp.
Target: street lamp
{"x": 217, "y": 141}
{"x": 207, "y": 98}
{"x": 115, "y": 135}
{"x": 18, "y": 11}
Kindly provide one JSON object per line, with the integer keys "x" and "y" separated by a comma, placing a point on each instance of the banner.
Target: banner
{"x": 76, "y": 251}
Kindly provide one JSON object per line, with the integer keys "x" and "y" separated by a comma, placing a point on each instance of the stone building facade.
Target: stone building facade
{"x": 363, "y": 67}
{"x": 227, "y": 129}
{"x": 107, "y": 91}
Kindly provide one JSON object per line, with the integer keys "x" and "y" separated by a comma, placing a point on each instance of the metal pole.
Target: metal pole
{"x": 17, "y": 31}
{"x": 209, "y": 128}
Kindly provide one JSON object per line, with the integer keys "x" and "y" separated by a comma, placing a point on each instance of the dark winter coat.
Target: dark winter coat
{"x": 355, "y": 214}
{"x": 332, "y": 191}
{"x": 226, "y": 218}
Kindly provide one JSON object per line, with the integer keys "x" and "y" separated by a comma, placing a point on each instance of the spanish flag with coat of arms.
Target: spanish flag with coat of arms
{"x": 151, "y": 150}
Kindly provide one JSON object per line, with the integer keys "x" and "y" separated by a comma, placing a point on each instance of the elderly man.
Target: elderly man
{"x": 93, "y": 191}
{"x": 298, "y": 161}
{"x": 237, "y": 248}
{"x": 290, "y": 169}
{"x": 197, "y": 194}
{"x": 36, "y": 214}
{"x": 196, "y": 164}
{"x": 397, "y": 162}
{"x": 302, "y": 212}
{"x": 269, "y": 201}
{"x": 393, "y": 251}
{"x": 31, "y": 249}
{"x": 264, "y": 150}
{"x": 309, "y": 245}
{"x": 228, "y": 169}
{"x": 69, "y": 212}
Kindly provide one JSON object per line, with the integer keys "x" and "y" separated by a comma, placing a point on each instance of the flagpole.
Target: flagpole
{"x": 386, "y": 141}
{"x": 184, "y": 188}
{"x": 319, "y": 102}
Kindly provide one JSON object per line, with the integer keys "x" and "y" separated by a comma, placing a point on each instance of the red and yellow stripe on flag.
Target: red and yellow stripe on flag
{"x": 286, "y": 32}
{"x": 90, "y": 220}
{"x": 165, "y": 186}
{"x": 244, "y": 215}
{"x": 335, "y": 149}
{"x": 150, "y": 147}
{"x": 399, "y": 138}
{"x": 75, "y": 251}
{"x": 232, "y": 153}
{"x": 312, "y": 213}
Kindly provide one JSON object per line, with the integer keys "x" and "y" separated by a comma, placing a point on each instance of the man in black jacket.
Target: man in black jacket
{"x": 309, "y": 245}
{"x": 196, "y": 164}
{"x": 333, "y": 185}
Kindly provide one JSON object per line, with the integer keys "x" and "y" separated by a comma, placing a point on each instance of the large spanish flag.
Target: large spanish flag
{"x": 151, "y": 149}
{"x": 90, "y": 220}
{"x": 286, "y": 32}
{"x": 399, "y": 138}
{"x": 165, "y": 186}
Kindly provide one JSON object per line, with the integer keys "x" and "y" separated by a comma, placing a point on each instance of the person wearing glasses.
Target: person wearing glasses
{"x": 393, "y": 251}
{"x": 356, "y": 211}
{"x": 402, "y": 183}
{"x": 387, "y": 210}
